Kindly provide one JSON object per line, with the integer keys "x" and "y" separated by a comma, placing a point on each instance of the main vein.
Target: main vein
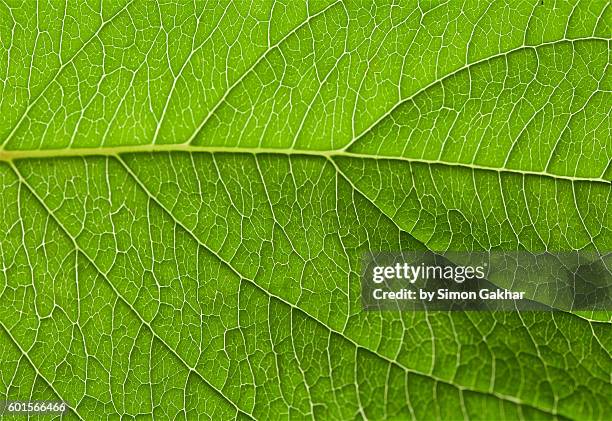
{"x": 11, "y": 155}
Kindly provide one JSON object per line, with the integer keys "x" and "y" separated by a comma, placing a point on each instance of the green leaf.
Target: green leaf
{"x": 187, "y": 191}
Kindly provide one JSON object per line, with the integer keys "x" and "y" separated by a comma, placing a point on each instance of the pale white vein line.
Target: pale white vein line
{"x": 534, "y": 115}
{"x": 251, "y": 68}
{"x": 299, "y": 363}
{"x": 474, "y": 28}
{"x": 35, "y": 368}
{"x": 314, "y": 98}
{"x": 528, "y": 26}
{"x": 600, "y": 17}
{"x": 185, "y": 63}
{"x": 11, "y": 43}
{"x": 431, "y": 162}
{"x": 292, "y": 306}
{"x": 456, "y": 71}
{"x": 558, "y": 142}
{"x": 276, "y": 355}
{"x": 344, "y": 248}
{"x": 360, "y": 410}
{"x": 372, "y": 57}
{"x": 582, "y": 222}
{"x": 118, "y": 294}
{"x": 60, "y": 69}
{"x": 12, "y": 155}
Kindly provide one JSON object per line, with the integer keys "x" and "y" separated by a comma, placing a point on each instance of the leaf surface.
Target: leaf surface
{"x": 187, "y": 195}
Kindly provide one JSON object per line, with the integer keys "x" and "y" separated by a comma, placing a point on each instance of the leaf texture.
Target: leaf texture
{"x": 187, "y": 191}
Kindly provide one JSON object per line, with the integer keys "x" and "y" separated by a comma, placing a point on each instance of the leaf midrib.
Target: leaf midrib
{"x": 12, "y": 155}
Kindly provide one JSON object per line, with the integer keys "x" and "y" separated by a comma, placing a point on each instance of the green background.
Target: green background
{"x": 187, "y": 190}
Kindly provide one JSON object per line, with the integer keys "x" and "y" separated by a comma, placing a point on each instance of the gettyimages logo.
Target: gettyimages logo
{"x": 412, "y": 273}
{"x": 487, "y": 281}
